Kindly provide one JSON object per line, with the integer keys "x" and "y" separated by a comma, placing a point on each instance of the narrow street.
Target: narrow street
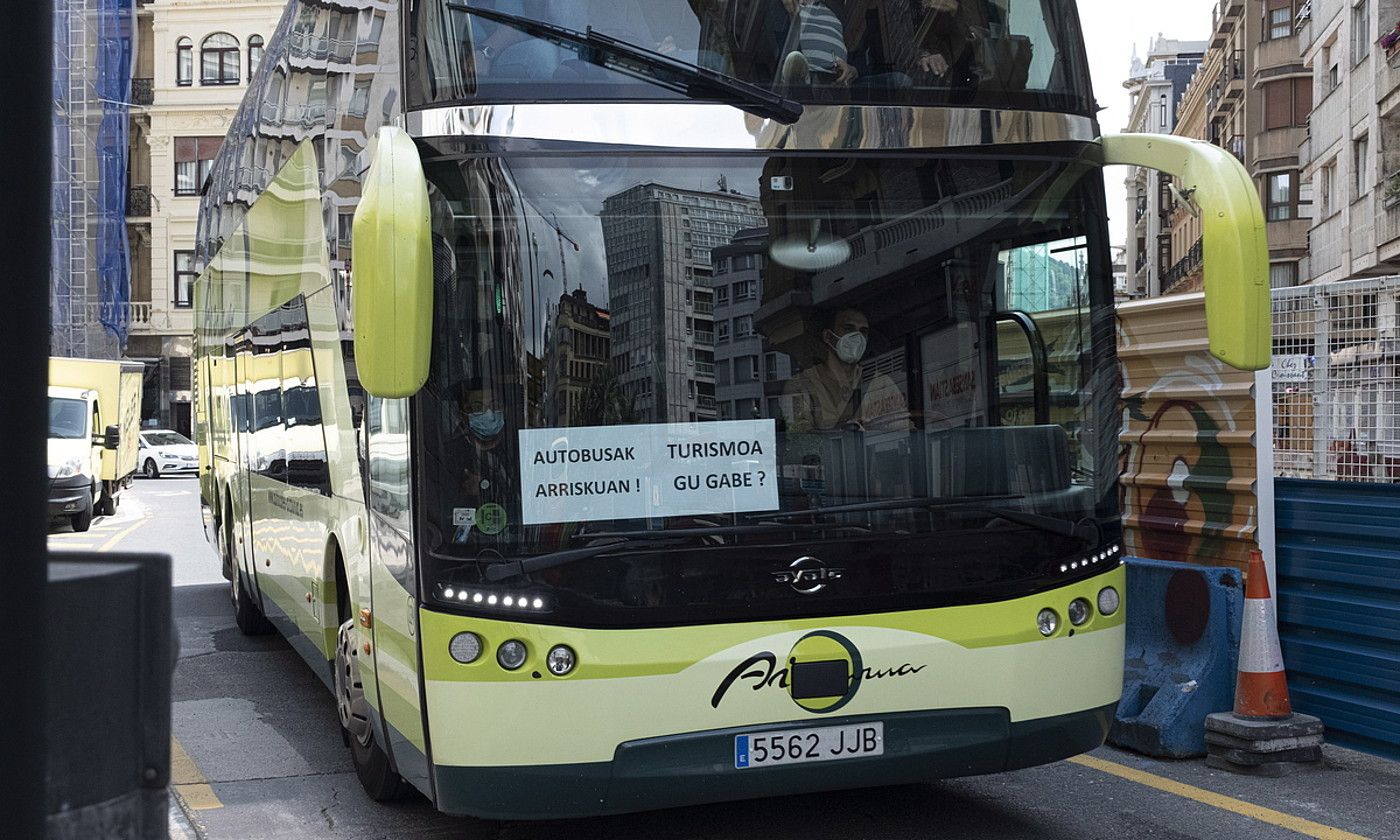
{"x": 258, "y": 755}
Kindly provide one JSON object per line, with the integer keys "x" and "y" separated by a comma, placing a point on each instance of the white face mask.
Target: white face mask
{"x": 850, "y": 348}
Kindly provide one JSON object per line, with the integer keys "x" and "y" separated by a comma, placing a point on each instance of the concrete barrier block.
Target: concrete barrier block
{"x": 1182, "y": 642}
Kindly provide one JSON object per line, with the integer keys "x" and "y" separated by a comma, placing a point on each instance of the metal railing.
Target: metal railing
{"x": 138, "y": 202}
{"x": 143, "y": 92}
{"x": 1186, "y": 266}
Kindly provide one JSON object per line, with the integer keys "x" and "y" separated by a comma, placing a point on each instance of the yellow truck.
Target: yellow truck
{"x": 94, "y": 422}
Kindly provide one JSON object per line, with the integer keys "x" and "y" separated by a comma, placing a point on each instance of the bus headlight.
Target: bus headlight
{"x": 1080, "y": 611}
{"x": 560, "y": 661}
{"x": 465, "y": 648}
{"x": 1108, "y": 600}
{"x": 1048, "y": 621}
{"x": 511, "y": 655}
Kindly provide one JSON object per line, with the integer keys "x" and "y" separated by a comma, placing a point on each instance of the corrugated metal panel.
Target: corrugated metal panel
{"x": 1339, "y": 607}
{"x": 1187, "y": 441}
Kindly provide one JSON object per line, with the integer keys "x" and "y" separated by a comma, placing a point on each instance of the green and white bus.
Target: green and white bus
{"x": 631, "y": 404}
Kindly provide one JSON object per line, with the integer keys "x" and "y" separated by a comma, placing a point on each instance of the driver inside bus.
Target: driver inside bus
{"x": 476, "y": 436}
{"x": 834, "y": 395}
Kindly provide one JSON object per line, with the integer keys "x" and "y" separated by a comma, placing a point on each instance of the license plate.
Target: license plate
{"x": 800, "y": 746}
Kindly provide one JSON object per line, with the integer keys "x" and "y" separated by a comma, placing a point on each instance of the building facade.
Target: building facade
{"x": 1155, "y": 86}
{"x": 193, "y": 66}
{"x": 659, "y": 242}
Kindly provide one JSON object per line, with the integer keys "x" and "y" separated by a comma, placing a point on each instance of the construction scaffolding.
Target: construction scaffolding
{"x": 94, "y": 46}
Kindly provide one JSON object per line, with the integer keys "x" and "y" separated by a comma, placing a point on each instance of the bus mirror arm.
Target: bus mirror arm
{"x": 393, "y": 263}
{"x": 1234, "y": 240}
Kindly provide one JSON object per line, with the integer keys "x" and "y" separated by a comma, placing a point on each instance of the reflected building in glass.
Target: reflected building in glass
{"x": 749, "y": 379}
{"x": 659, "y": 241}
{"x": 579, "y": 375}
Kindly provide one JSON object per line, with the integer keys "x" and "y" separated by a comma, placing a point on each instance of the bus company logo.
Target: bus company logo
{"x": 824, "y": 671}
{"x": 807, "y": 575}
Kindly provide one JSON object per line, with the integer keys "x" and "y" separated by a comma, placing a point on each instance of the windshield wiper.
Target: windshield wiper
{"x": 1084, "y": 530}
{"x": 628, "y": 540}
{"x": 682, "y": 77}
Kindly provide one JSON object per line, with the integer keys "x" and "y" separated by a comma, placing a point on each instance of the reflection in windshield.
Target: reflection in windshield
{"x": 166, "y": 439}
{"x": 1001, "y": 53}
{"x": 866, "y": 316}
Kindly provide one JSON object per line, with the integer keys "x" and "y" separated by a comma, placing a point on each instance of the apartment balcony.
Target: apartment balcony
{"x": 1223, "y": 19}
{"x": 704, "y": 307}
{"x": 705, "y": 402}
{"x": 705, "y": 368}
{"x": 1235, "y": 146}
{"x": 1232, "y": 75}
{"x": 1388, "y": 220}
{"x": 1388, "y": 82}
{"x": 704, "y": 339}
{"x": 1186, "y": 266}
{"x": 143, "y": 92}
{"x": 138, "y": 202}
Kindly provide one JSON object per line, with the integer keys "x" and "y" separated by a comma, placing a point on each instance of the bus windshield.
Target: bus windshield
{"x": 677, "y": 377}
{"x": 1003, "y": 54}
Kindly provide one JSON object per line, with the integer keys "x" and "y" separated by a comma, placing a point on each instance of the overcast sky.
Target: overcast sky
{"x": 1111, "y": 29}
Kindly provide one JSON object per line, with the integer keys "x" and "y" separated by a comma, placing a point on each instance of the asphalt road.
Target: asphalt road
{"x": 258, "y": 755}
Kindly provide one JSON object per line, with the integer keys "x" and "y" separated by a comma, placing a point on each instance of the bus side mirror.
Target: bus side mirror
{"x": 113, "y": 438}
{"x": 1236, "y": 247}
{"x": 393, "y": 270}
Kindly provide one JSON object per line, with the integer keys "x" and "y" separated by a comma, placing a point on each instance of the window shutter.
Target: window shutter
{"x": 1278, "y": 104}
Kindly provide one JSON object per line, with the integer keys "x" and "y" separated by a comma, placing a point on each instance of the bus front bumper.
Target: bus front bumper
{"x": 698, "y": 767}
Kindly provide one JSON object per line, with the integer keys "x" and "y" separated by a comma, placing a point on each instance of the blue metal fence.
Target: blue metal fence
{"x": 1339, "y": 607}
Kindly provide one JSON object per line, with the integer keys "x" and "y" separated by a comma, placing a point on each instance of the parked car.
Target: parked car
{"x": 163, "y": 451}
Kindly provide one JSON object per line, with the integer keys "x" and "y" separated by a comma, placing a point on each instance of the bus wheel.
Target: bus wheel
{"x": 378, "y": 779}
{"x": 246, "y": 614}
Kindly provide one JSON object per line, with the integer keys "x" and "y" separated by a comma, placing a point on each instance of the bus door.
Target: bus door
{"x": 393, "y": 574}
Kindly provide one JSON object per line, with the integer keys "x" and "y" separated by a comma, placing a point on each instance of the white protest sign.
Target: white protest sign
{"x": 1291, "y": 368}
{"x": 594, "y": 473}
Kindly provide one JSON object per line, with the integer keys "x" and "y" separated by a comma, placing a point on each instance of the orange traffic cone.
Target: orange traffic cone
{"x": 1261, "y": 689}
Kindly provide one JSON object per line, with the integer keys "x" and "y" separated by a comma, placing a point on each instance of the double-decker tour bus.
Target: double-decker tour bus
{"x": 630, "y": 404}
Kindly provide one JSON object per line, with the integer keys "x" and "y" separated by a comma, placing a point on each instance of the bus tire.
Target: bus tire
{"x": 82, "y": 520}
{"x": 372, "y": 765}
{"x": 246, "y": 614}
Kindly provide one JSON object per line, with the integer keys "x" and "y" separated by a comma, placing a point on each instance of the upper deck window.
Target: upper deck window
{"x": 1014, "y": 54}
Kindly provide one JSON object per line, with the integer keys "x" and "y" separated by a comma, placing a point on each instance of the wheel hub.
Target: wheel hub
{"x": 349, "y": 690}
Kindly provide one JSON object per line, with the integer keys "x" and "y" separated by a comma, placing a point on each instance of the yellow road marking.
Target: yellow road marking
{"x": 107, "y": 546}
{"x": 1217, "y": 800}
{"x": 189, "y": 782}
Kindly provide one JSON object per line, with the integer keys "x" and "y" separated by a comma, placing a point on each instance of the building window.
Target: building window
{"x": 194, "y": 157}
{"x": 1279, "y": 191}
{"x": 722, "y": 295}
{"x": 1287, "y": 103}
{"x": 1360, "y": 31}
{"x": 1328, "y": 189}
{"x": 743, "y": 326}
{"x": 255, "y": 55}
{"x": 218, "y": 60}
{"x": 184, "y": 62}
{"x": 1278, "y": 19}
{"x": 184, "y": 279}
{"x": 721, "y": 332}
{"x": 1283, "y": 275}
{"x": 745, "y": 290}
{"x": 1360, "y": 166}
